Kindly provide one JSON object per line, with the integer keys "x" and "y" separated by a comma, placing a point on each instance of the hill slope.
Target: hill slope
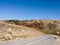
{"x": 46, "y": 26}
{"x": 15, "y": 32}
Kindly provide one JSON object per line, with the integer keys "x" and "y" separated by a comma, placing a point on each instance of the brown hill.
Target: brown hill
{"x": 15, "y": 32}
{"x": 46, "y": 26}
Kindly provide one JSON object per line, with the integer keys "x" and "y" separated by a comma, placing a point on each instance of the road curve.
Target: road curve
{"x": 50, "y": 40}
{"x": 46, "y": 40}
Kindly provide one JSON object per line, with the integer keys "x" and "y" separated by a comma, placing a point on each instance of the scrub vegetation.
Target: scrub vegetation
{"x": 46, "y": 26}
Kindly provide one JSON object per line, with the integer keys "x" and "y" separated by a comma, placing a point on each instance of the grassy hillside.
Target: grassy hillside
{"x": 46, "y": 26}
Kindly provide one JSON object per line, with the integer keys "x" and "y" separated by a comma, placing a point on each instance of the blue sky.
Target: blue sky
{"x": 29, "y": 9}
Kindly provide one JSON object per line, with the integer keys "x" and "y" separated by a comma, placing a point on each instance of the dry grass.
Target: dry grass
{"x": 15, "y": 32}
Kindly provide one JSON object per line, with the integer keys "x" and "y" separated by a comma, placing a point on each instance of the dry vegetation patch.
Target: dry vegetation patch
{"x": 15, "y": 32}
